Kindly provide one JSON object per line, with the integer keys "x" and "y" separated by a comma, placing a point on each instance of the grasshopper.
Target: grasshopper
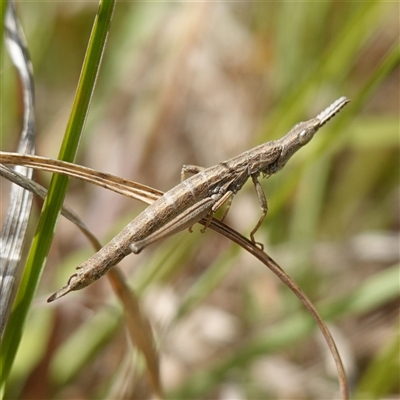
{"x": 199, "y": 196}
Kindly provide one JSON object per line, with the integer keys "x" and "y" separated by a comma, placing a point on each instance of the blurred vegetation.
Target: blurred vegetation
{"x": 196, "y": 83}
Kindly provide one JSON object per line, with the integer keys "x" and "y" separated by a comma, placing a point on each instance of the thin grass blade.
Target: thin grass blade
{"x": 15, "y": 225}
{"x": 58, "y": 187}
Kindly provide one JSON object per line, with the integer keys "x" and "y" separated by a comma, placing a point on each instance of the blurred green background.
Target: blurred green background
{"x": 197, "y": 83}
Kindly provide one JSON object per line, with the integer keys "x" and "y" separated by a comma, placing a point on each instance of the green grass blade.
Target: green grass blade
{"x": 58, "y": 187}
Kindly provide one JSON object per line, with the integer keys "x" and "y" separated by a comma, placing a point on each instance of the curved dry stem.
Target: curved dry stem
{"x": 108, "y": 181}
{"x": 148, "y": 195}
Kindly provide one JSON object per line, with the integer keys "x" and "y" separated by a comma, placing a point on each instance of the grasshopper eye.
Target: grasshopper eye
{"x": 304, "y": 137}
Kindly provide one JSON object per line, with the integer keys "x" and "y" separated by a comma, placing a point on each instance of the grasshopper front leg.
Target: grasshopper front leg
{"x": 264, "y": 207}
{"x": 190, "y": 169}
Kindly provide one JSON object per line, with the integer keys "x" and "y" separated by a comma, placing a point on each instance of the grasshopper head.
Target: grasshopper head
{"x": 299, "y": 136}
{"x": 303, "y": 132}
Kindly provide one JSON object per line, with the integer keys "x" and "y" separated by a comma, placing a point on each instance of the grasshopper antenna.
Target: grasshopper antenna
{"x": 332, "y": 110}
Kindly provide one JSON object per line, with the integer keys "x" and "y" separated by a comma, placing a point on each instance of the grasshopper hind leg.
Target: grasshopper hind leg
{"x": 184, "y": 220}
